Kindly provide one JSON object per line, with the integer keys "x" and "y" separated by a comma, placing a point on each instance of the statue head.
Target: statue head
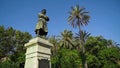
{"x": 43, "y": 11}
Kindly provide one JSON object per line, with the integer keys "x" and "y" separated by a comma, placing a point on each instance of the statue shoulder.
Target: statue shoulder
{"x": 41, "y": 15}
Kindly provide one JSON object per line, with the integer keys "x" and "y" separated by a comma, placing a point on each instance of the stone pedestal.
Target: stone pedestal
{"x": 38, "y": 53}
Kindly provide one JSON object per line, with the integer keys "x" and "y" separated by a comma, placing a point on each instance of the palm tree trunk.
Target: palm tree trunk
{"x": 84, "y": 62}
{"x": 86, "y": 66}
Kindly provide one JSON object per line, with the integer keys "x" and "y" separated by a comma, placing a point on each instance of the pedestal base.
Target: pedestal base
{"x": 38, "y": 53}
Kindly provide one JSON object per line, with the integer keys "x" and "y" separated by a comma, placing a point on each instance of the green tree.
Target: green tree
{"x": 65, "y": 55}
{"x": 12, "y": 44}
{"x": 66, "y": 41}
{"x": 109, "y": 57}
{"x": 66, "y": 58}
{"x": 77, "y": 18}
{"x": 99, "y": 55}
{"x": 7, "y": 41}
{"x": 93, "y": 46}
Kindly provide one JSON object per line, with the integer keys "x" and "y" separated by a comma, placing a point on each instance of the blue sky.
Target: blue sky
{"x": 23, "y": 15}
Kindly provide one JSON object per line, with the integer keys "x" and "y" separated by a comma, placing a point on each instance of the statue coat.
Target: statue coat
{"x": 42, "y": 24}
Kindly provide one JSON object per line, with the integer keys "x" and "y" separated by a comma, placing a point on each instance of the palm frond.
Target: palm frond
{"x": 82, "y": 35}
{"x": 78, "y": 17}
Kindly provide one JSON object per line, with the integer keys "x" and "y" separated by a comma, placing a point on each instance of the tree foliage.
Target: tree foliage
{"x": 78, "y": 17}
{"x": 12, "y": 44}
{"x": 99, "y": 53}
{"x": 66, "y": 58}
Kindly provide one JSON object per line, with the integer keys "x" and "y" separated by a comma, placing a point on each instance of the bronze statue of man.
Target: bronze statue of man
{"x": 41, "y": 27}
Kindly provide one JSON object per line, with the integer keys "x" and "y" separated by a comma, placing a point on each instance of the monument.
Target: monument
{"x": 41, "y": 27}
{"x": 38, "y": 50}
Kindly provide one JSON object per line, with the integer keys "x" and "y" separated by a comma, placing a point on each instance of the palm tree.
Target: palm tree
{"x": 66, "y": 40}
{"x": 55, "y": 43}
{"x": 83, "y": 36}
{"x": 78, "y": 17}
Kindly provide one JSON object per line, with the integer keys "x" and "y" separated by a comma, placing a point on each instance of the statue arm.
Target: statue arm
{"x": 47, "y": 19}
{"x": 43, "y": 16}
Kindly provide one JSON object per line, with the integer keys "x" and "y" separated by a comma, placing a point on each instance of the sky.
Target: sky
{"x": 23, "y": 15}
